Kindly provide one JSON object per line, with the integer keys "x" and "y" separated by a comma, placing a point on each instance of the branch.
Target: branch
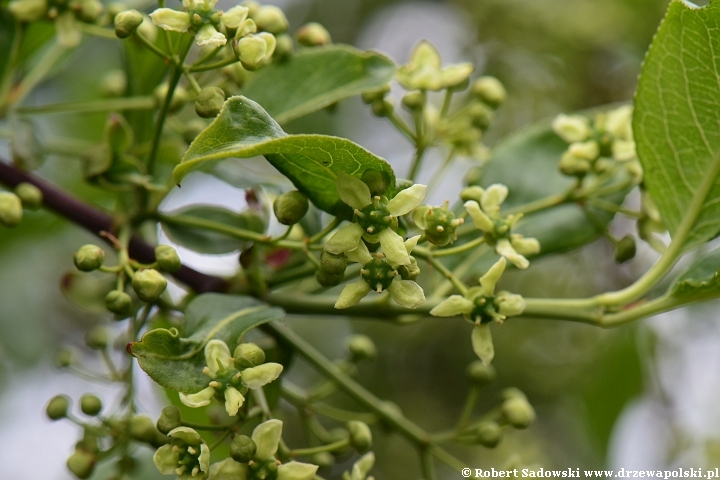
{"x": 96, "y": 222}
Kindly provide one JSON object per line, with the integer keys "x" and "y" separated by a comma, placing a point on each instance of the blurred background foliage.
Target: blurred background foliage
{"x": 587, "y": 385}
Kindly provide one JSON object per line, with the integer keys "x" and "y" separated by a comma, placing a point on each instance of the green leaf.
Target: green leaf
{"x": 243, "y": 129}
{"x": 208, "y": 241}
{"x": 316, "y": 78}
{"x": 701, "y": 279}
{"x": 676, "y": 121}
{"x": 526, "y": 162}
{"x": 176, "y": 361}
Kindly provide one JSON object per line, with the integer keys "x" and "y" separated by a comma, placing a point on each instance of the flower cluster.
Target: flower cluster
{"x": 424, "y": 70}
{"x": 596, "y": 145}
{"x": 375, "y": 220}
{"x": 483, "y": 206}
{"x": 481, "y": 305}
{"x": 64, "y": 13}
{"x": 213, "y": 27}
{"x": 231, "y": 377}
{"x": 187, "y": 455}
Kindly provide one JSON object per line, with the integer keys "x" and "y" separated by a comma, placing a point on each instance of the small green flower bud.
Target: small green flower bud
{"x": 242, "y": 448}
{"x": 209, "y": 102}
{"x": 10, "y": 209}
{"x": 64, "y": 358}
{"x": 328, "y": 279}
{"x": 270, "y": 19}
{"x": 90, "y": 405}
{"x": 480, "y": 115}
{"x": 413, "y": 101}
{"x": 488, "y": 434}
{"x": 81, "y": 463}
{"x": 251, "y": 51}
{"x": 114, "y": 84}
{"x": 361, "y": 347}
{"x": 489, "y": 90}
{"x": 30, "y": 195}
{"x": 57, "y": 407}
{"x": 149, "y": 284}
{"x": 382, "y": 108}
{"x": 169, "y": 419}
{"x": 284, "y": 48}
{"x": 248, "y": 355}
{"x": 90, "y": 10}
{"x": 142, "y": 429}
{"x": 119, "y": 303}
{"x": 167, "y": 258}
{"x": 372, "y": 96}
{"x": 193, "y": 129}
{"x": 89, "y": 257}
{"x": 360, "y": 436}
{"x": 313, "y": 35}
{"x": 625, "y": 249}
{"x": 27, "y": 11}
{"x": 96, "y": 338}
{"x": 377, "y": 182}
{"x": 574, "y": 166}
{"x": 290, "y": 207}
{"x": 410, "y": 271}
{"x": 127, "y": 22}
{"x": 331, "y": 264}
{"x": 518, "y": 412}
{"x": 179, "y": 99}
{"x": 479, "y": 373}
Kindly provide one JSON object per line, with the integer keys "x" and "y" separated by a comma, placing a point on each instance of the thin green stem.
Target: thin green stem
{"x": 38, "y": 72}
{"x": 429, "y": 257}
{"x": 449, "y": 460}
{"x": 401, "y": 126}
{"x": 327, "y": 229}
{"x": 9, "y": 72}
{"x": 152, "y": 47}
{"x": 214, "y": 66}
{"x": 304, "y": 452}
{"x": 614, "y": 208}
{"x": 104, "y": 105}
{"x": 202, "y": 426}
{"x": 470, "y": 402}
{"x": 96, "y": 31}
{"x": 447, "y": 101}
{"x": 466, "y": 247}
{"x": 428, "y": 464}
{"x": 405, "y": 427}
{"x": 219, "y": 440}
{"x": 440, "y": 173}
{"x": 191, "y": 80}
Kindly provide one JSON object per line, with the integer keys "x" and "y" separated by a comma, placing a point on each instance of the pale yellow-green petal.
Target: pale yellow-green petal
{"x": 217, "y": 355}
{"x": 256, "y": 377}
{"x": 493, "y": 197}
{"x": 411, "y": 243}
{"x": 233, "y": 401}
{"x": 407, "y": 200}
{"x": 296, "y": 471}
{"x": 452, "y": 306}
{"x": 353, "y": 191}
{"x": 235, "y": 16}
{"x": 208, "y": 35}
{"x": 228, "y": 469}
{"x": 480, "y": 220}
{"x": 425, "y": 55}
{"x": 571, "y": 128}
{"x": 166, "y": 460}
{"x": 352, "y": 294}
{"x": 199, "y": 399}
{"x": 344, "y": 240}
{"x": 362, "y": 466}
{"x": 169, "y": 19}
{"x": 504, "y": 248}
{"x": 360, "y": 255}
{"x": 482, "y": 343}
{"x": 393, "y": 247}
{"x": 188, "y": 435}
{"x": 406, "y": 293}
{"x": 267, "y": 437}
{"x": 204, "y": 458}
{"x": 525, "y": 246}
{"x": 491, "y": 277}
{"x": 510, "y": 304}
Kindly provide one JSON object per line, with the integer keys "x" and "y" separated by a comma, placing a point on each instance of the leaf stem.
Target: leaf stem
{"x": 100, "y": 105}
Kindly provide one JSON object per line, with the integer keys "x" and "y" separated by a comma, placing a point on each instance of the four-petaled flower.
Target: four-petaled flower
{"x": 486, "y": 216}
{"x": 201, "y": 17}
{"x": 481, "y": 306}
{"x": 424, "y": 70}
{"x": 381, "y": 273}
{"x": 375, "y": 219}
{"x": 187, "y": 455}
{"x": 226, "y": 379}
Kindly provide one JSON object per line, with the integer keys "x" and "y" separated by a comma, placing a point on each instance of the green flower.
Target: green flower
{"x": 380, "y": 273}
{"x": 424, "y": 70}
{"x": 227, "y": 381}
{"x": 267, "y": 437}
{"x": 187, "y": 455}
{"x": 486, "y": 216}
{"x": 361, "y": 468}
{"x": 375, "y": 219}
{"x": 481, "y": 306}
{"x": 201, "y": 18}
